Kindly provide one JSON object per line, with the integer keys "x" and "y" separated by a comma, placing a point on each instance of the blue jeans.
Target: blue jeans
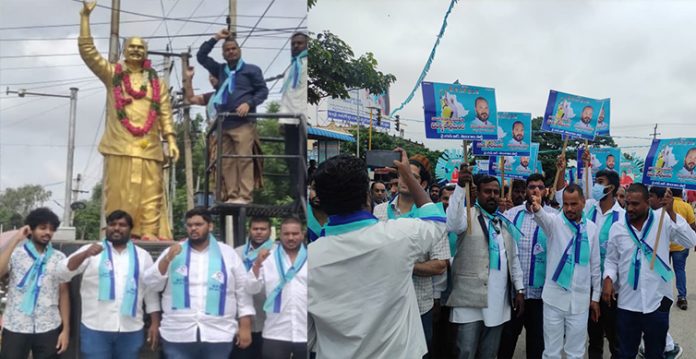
{"x": 679, "y": 263}
{"x": 196, "y": 349}
{"x": 95, "y": 344}
{"x": 652, "y": 327}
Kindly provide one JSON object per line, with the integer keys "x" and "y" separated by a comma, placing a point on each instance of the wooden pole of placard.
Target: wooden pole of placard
{"x": 558, "y": 173}
{"x": 588, "y": 174}
{"x": 657, "y": 240}
{"x": 467, "y": 189}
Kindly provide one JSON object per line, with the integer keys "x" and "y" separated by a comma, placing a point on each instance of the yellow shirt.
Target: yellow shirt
{"x": 116, "y": 139}
{"x": 685, "y": 210}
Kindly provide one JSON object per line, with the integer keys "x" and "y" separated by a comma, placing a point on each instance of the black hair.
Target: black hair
{"x": 230, "y": 39}
{"x": 260, "y": 219}
{"x": 120, "y": 214}
{"x": 477, "y": 178}
{"x": 486, "y": 179}
{"x": 586, "y": 107}
{"x": 479, "y": 99}
{"x": 300, "y": 33}
{"x": 517, "y": 122}
{"x": 342, "y": 184}
{"x": 422, "y": 171}
{"x": 41, "y": 216}
{"x": 677, "y": 192}
{"x": 372, "y": 186}
{"x": 613, "y": 178}
{"x": 657, "y": 191}
{"x": 518, "y": 183}
{"x": 535, "y": 177}
{"x": 642, "y": 189}
{"x": 572, "y": 188}
{"x": 291, "y": 219}
{"x": 199, "y": 211}
{"x": 435, "y": 185}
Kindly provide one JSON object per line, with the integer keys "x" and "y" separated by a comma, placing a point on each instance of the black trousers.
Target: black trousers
{"x": 605, "y": 326}
{"x": 444, "y": 342}
{"x": 18, "y": 345}
{"x": 293, "y": 147}
{"x": 251, "y": 352}
{"x": 533, "y": 321}
{"x": 276, "y": 349}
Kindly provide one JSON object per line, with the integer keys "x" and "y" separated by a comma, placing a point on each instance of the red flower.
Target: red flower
{"x": 121, "y": 102}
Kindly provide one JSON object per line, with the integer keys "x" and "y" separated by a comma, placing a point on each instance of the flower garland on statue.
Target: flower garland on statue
{"x": 122, "y": 79}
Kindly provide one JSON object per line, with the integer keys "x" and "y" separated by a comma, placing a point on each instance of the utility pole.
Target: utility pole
{"x": 71, "y": 143}
{"x": 76, "y": 191}
{"x": 172, "y": 164}
{"x": 655, "y": 133}
{"x": 232, "y": 19}
{"x": 188, "y": 162}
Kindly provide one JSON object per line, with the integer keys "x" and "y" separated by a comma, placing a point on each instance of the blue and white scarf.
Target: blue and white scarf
{"x": 31, "y": 282}
{"x": 537, "y": 265}
{"x": 274, "y": 299}
{"x": 293, "y": 78}
{"x": 493, "y": 247}
{"x": 603, "y": 233}
{"x": 250, "y": 254}
{"x": 662, "y": 268}
{"x": 107, "y": 290}
{"x": 580, "y": 247}
{"x": 227, "y": 87}
{"x": 179, "y": 270}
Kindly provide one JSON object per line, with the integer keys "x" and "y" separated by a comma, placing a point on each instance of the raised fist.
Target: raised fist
{"x": 174, "y": 251}
{"x": 222, "y": 34}
{"x": 87, "y": 7}
{"x": 94, "y": 249}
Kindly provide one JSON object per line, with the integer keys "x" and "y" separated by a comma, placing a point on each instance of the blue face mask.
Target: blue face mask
{"x": 598, "y": 192}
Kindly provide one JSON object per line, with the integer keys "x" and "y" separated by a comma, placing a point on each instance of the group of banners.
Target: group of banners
{"x": 461, "y": 112}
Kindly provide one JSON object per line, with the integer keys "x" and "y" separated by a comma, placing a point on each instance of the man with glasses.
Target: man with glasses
{"x": 531, "y": 250}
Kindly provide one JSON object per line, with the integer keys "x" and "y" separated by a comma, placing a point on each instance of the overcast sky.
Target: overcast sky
{"x": 638, "y": 53}
{"x": 41, "y": 57}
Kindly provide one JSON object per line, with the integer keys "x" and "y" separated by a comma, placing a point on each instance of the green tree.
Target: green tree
{"x": 333, "y": 70}
{"x": 16, "y": 203}
{"x": 86, "y": 220}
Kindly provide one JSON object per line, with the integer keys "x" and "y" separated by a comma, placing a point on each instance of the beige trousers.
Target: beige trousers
{"x": 238, "y": 173}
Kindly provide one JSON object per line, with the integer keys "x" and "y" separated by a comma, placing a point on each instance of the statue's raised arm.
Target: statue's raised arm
{"x": 94, "y": 60}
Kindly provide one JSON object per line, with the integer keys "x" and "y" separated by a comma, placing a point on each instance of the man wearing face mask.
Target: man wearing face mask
{"x": 572, "y": 284}
{"x": 604, "y": 210}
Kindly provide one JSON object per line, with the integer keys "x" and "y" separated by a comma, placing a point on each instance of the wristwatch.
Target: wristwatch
{"x": 520, "y": 291}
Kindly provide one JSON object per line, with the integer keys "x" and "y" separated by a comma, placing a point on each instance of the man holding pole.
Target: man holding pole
{"x": 636, "y": 260}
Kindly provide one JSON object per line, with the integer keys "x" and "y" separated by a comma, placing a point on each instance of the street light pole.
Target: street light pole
{"x": 71, "y": 143}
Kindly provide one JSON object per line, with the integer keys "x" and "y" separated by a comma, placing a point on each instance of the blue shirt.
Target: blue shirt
{"x": 249, "y": 87}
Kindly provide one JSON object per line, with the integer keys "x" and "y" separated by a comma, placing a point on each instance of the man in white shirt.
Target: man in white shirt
{"x": 259, "y": 239}
{"x": 430, "y": 264}
{"x": 524, "y": 165}
{"x": 113, "y": 291}
{"x": 485, "y": 269}
{"x": 36, "y": 318}
{"x": 517, "y": 135}
{"x": 531, "y": 251}
{"x": 644, "y": 291}
{"x": 572, "y": 271}
{"x": 203, "y": 283}
{"x": 689, "y": 164}
{"x": 283, "y": 279}
{"x": 362, "y": 303}
{"x": 585, "y": 120}
{"x": 294, "y": 100}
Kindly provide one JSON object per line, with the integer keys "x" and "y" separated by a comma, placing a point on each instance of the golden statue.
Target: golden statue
{"x": 138, "y": 112}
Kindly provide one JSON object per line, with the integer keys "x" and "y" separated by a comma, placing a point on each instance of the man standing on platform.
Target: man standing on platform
{"x": 242, "y": 89}
{"x": 112, "y": 293}
{"x": 138, "y": 112}
{"x": 259, "y": 240}
{"x": 283, "y": 280}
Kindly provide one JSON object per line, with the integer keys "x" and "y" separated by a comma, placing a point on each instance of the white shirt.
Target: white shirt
{"x": 179, "y": 326}
{"x": 290, "y": 325}
{"x": 361, "y": 298}
{"x": 651, "y": 287}
{"x": 478, "y": 123}
{"x": 585, "y": 277}
{"x": 600, "y": 217}
{"x": 294, "y": 100}
{"x": 258, "y": 299}
{"x": 106, "y": 315}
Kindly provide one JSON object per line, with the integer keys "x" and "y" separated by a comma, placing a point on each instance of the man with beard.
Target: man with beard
{"x": 316, "y": 218}
{"x": 519, "y": 191}
{"x": 585, "y": 119}
{"x": 113, "y": 291}
{"x": 259, "y": 240}
{"x": 482, "y": 113}
{"x": 572, "y": 284}
{"x": 485, "y": 269}
{"x": 428, "y": 265}
{"x": 644, "y": 293}
{"x": 378, "y": 193}
{"x": 435, "y": 192}
{"x": 611, "y": 162}
{"x": 601, "y": 125}
{"x": 242, "y": 90}
{"x": 531, "y": 249}
{"x": 524, "y": 165}
{"x": 689, "y": 164}
{"x": 517, "y": 134}
{"x": 283, "y": 279}
{"x": 37, "y": 315}
{"x": 202, "y": 283}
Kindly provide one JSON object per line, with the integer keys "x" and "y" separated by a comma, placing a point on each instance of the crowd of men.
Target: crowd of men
{"x": 394, "y": 275}
{"x": 203, "y": 298}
